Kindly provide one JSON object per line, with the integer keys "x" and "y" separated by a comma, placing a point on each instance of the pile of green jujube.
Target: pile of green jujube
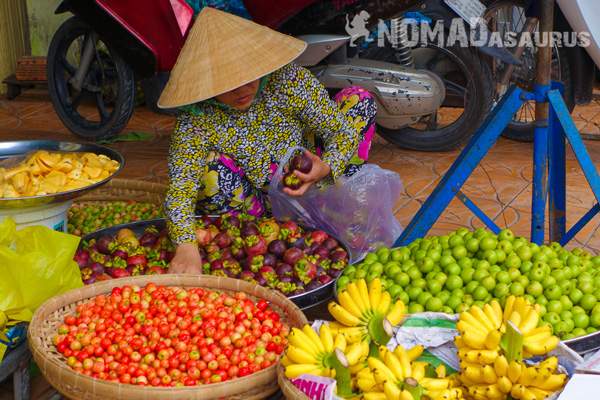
{"x": 84, "y": 218}
{"x": 450, "y": 273}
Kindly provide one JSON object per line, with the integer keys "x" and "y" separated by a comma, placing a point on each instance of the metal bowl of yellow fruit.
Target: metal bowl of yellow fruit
{"x": 40, "y": 172}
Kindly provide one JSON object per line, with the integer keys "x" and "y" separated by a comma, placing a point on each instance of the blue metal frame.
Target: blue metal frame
{"x": 549, "y": 176}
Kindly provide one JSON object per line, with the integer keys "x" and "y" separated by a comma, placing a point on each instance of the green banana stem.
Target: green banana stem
{"x": 377, "y": 330}
{"x": 413, "y": 387}
{"x": 512, "y": 343}
{"x": 336, "y": 360}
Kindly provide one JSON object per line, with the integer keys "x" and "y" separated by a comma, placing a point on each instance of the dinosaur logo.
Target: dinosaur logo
{"x": 358, "y": 27}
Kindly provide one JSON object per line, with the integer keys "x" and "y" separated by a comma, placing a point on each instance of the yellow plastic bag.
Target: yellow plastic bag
{"x": 36, "y": 263}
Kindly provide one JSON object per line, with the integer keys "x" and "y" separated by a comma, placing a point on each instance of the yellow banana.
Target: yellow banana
{"x": 515, "y": 318}
{"x": 299, "y": 356}
{"x": 314, "y": 338}
{"x": 474, "y": 341}
{"x": 517, "y": 391}
{"x": 375, "y": 293}
{"x": 508, "y": 307}
{"x": 464, "y": 326}
{"x": 489, "y": 375}
{"x": 342, "y": 315}
{"x": 295, "y": 370}
{"x": 550, "y": 363}
{"x": 543, "y": 347}
{"x": 528, "y": 375}
{"x": 395, "y": 366}
{"x": 481, "y": 356}
{"x": 299, "y": 339}
{"x": 492, "y": 316}
{"x": 492, "y": 341}
{"x": 340, "y": 342}
{"x": 418, "y": 370}
{"x": 540, "y": 331}
{"x": 356, "y": 351}
{"x": 539, "y": 393}
{"x": 391, "y": 390}
{"x": 530, "y": 321}
{"x": 396, "y": 313}
{"x": 415, "y": 352}
{"x": 435, "y": 383}
{"x": 553, "y": 383}
{"x": 285, "y": 361}
{"x": 459, "y": 342}
{"x": 481, "y": 317}
{"x": 326, "y": 337}
{"x": 497, "y": 310}
{"x": 361, "y": 284}
{"x": 440, "y": 371}
{"x": 405, "y": 395}
{"x": 353, "y": 291}
{"x": 400, "y": 352}
{"x": 501, "y": 366}
{"x": 493, "y": 392}
{"x": 473, "y": 374}
{"x": 374, "y": 396}
{"x": 504, "y": 384}
{"x": 471, "y": 320}
{"x": 346, "y": 301}
{"x": 384, "y": 303}
{"x": 353, "y": 334}
{"x": 514, "y": 371}
{"x": 366, "y": 384}
{"x": 380, "y": 370}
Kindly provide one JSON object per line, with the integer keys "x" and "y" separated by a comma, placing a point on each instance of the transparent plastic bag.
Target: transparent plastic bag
{"x": 358, "y": 210}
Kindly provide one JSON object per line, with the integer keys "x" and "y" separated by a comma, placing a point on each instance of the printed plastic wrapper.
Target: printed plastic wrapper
{"x": 358, "y": 210}
{"x": 316, "y": 387}
{"x": 36, "y": 263}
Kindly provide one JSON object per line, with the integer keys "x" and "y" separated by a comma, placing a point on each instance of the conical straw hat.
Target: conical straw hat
{"x": 222, "y": 53}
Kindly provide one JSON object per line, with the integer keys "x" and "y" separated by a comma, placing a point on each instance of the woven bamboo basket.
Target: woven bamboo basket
{"x": 289, "y": 390}
{"x": 126, "y": 189}
{"x": 76, "y": 386}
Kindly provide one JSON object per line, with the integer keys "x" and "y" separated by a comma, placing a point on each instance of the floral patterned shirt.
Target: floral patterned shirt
{"x": 292, "y": 104}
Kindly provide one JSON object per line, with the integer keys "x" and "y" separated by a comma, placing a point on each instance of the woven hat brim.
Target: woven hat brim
{"x": 222, "y": 53}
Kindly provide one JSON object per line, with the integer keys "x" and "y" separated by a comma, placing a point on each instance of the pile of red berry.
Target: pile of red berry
{"x": 168, "y": 336}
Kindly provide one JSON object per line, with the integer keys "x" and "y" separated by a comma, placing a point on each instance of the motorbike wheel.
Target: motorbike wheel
{"x": 469, "y": 95}
{"x": 107, "y": 98}
{"x": 509, "y": 16}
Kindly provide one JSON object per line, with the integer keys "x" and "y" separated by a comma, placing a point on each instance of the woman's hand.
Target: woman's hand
{"x": 187, "y": 260}
{"x": 319, "y": 171}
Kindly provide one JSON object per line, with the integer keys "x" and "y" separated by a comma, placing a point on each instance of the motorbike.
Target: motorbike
{"x": 572, "y": 65}
{"x": 430, "y": 97}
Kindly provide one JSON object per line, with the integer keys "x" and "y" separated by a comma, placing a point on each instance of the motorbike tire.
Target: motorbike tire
{"x": 58, "y": 87}
{"x": 476, "y": 109}
{"x": 524, "y": 131}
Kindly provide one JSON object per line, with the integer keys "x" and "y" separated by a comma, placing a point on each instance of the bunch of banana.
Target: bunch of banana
{"x": 366, "y": 312}
{"x": 394, "y": 376}
{"x": 480, "y": 328}
{"x": 503, "y": 378}
{"x": 537, "y": 340}
{"x": 322, "y": 354}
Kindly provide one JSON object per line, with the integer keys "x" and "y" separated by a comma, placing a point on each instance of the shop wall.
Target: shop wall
{"x": 14, "y": 38}
{"x": 43, "y": 23}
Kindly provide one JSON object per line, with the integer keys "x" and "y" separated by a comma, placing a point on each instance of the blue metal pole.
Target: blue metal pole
{"x": 463, "y": 167}
{"x": 557, "y": 202}
{"x": 478, "y": 212}
{"x": 540, "y": 173}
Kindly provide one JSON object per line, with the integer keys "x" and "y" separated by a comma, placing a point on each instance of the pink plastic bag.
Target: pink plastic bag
{"x": 357, "y": 210}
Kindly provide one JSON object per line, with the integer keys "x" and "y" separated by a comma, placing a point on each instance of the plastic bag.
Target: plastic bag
{"x": 357, "y": 210}
{"x": 36, "y": 263}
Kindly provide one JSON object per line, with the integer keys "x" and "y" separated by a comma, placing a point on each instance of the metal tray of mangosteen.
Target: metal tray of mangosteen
{"x": 307, "y": 299}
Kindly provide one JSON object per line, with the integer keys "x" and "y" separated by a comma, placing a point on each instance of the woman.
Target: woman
{"x": 243, "y": 106}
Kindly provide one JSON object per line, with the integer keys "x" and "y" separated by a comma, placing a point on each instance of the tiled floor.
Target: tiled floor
{"x": 501, "y": 185}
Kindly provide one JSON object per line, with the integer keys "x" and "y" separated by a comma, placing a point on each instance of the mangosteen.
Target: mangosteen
{"x": 277, "y": 247}
{"x": 292, "y": 255}
{"x": 249, "y": 229}
{"x": 270, "y": 259}
{"x": 82, "y": 258}
{"x": 148, "y": 239}
{"x": 302, "y": 163}
{"x": 103, "y": 244}
{"x": 222, "y": 240}
{"x": 330, "y": 243}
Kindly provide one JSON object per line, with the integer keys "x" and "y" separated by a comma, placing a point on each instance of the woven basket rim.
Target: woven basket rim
{"x": 290, "y": 391}
{"x": 293, "y": 315}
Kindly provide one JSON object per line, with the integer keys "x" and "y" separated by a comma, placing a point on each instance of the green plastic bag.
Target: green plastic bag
{"x": 36, "y": 263}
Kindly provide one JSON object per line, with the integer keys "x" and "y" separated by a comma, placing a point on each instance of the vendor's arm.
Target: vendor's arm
{"x": 322, "y": 116}
{"x": 186, "y": 159}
